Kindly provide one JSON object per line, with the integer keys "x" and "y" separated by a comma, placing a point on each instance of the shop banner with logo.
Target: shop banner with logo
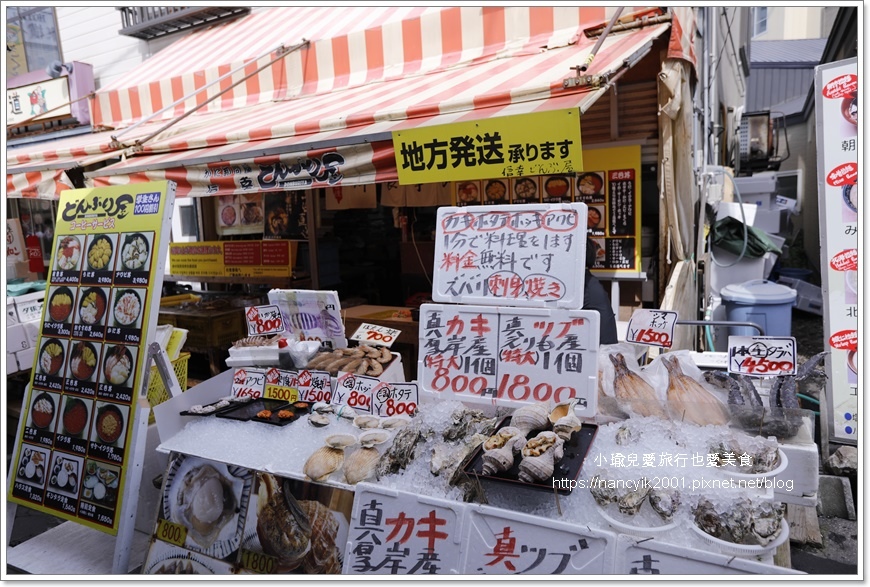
{"x": 539, "y": 143}
{"x": 74, "y": 447}
{"x": 838, "y": 155}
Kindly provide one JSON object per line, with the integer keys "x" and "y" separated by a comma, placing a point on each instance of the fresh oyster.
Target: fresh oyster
{"x": 737, "y": 522}
{"x": 631, "y": 498}
{"x": 318, "y": 419}
{"x": 540, "y": 455}
{"x": 665, "y": 502}
{"x": 500, "y": 448}
{"x": 206, "y": 503}
{"x": 603, "y": 489}
{"x": 708, "y": 519}
{"x": 766, "y": 522}
{"x": 401, "y": 452}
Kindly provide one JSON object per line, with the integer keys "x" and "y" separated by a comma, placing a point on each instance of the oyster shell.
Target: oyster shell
{"x": 708, "y": 519}
{"x": 318, "y": 419}
{"x": 539, "y": 457}
{"x": 500, "y": 448}
{"x": 361, "y": 464}
{"x": 324, "y": 461}
{"x": 370, "y": 438}
{"x": 603, "y": 489}
{"x": 766, "y": 522}
{"x": 366, "y": 421}
{"x": 346, "y": 412}
{"x": 206, "y": 503}
{"x": 323, "y": 408}
{"x": 401, "y": 452}
{"x": 630, "y": 500}
{"x": 530, "y": 418}
{"x": 395, "y": 422}
{"x": 665, "y": 502}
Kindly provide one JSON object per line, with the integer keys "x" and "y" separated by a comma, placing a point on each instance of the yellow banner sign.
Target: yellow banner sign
{"x": 539, "y": 143}
{"x": 262, "y": 258}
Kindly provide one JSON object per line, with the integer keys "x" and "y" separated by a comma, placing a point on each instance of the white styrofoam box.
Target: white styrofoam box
{"x": 16, "y": 338}
{"x": 733, "y": 209}
{"x": 764, "y": 182}
{"x": 651, "y": 557}
{"x": 746, "y": 270}
{"x": 29, "y": 306}
{"x": 772, "y": 220}
{"x": 802, "y": 471}
{"x": 25, "y": 358}
{"x": 11, "y": 363}
{"x": 11, "y": 313}
{"x": 590, "y": 551}
{"x": 31, "y": 330}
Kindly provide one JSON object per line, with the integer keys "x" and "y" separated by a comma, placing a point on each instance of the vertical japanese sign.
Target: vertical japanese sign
{"x": 510, "y": 356}
{"x": 611, "y": 190}
{"x": 539, "y": 143}
{"x": 527, "y": 255}
{"x": 398, "y": 533}
{"x": 838, "y": 146}
{"x": 101, "y": 306}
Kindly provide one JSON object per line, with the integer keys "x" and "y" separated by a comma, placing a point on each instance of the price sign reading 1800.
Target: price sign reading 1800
{"x": 263, "y": 320}
{"x": 393, "y": 399}
{"x": 652, "y": 327}
{"x": 372, "y": 334}
{"x": 762, "y": 356}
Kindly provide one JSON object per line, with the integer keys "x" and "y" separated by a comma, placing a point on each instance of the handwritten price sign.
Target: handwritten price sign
{"x": 372, "y": 334}
{"x": 249, "y": 383}
{"x": 652, "y": 327}
{"x": 762, "y": 356}
{"x": 281, "y": 385}
{"x": 392, "y": 399}
{"x": 354, "y": 391}
{"x": 264, "y": 320}
{"x": 314, "y": 386}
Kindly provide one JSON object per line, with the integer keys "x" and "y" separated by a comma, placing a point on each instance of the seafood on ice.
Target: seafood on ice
{"x": 688, "y": 401}
{"x": 564, "y": 420}
{"x": 633, "y": 391}
{"x": 540, "y": 455}
{"x": 530, "y": 418}
{"x": 500, "y": 449}
{"x": 740, "y": 522}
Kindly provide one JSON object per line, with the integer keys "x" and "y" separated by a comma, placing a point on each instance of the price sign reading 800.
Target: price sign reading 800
{"x": 393, "y": 399}
{"x": 762, "y": 356}
{"x": 652, "y": 327}
{"x": 354, "y": 391}
{"x": 263, "y": 320}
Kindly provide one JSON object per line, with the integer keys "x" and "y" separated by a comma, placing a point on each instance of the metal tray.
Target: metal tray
{"x": 574, "y": 453}
{"x": 248, "y": 411}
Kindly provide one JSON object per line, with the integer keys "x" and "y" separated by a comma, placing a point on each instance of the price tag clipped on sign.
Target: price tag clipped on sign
{"x": 762, "y": 356}
{"x": 264, "y": 320}
{"x": 652, "y": 327}
{"x": 314, "y": 386}
{"x": 393, "y": 399}
{"x": 258, "y": 562}
{"x": 372, "y": 334}
{"x": 249, "y": 383}
{"x": 281, "y": 385}
{"x": 169, "y": 532}
{"x": 354, "y": 391}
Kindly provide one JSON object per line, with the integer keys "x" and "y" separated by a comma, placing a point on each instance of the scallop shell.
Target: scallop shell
{"x": 323, "y": 408}
{"x": 318, "y": 419}
{"x": 394, "y": 422}
{"x": 324, "y": 461}
{"x": 361, "y": 464}
{"x": 372, "y": 437}
{"x": 531, "y": 417}
{"x": 340, "y": 440}
{"x": 540, "y": 455}
{"x": 366, "y": 421}
{"x": 346, "y": 412}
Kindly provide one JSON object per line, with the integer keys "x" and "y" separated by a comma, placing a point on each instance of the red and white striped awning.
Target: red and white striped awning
{"x": 347, "y": 47}
{"x": 46, "y": 184}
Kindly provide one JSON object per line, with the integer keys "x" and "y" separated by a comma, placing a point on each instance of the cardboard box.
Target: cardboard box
{"x": 11, "y": 364}
{"x": 25, "y": 358}
{"x": 29, "y": 306}
{"x": 16, "y": 339}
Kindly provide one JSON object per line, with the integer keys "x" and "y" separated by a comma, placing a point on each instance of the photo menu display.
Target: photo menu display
{"x": 76, "y": 435}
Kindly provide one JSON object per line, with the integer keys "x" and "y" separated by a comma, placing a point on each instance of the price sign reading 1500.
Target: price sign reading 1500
{"x": 652, "y": 327}
{"x": 762, "y": 356}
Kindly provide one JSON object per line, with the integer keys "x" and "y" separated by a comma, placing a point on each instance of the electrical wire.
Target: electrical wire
{"x": 742, "y": 217}
{"x": 721, "y": 49}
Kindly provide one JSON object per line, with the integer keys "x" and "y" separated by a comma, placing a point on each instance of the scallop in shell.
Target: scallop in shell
{"x": 366, "y": 421}
{"x": 318, "y": 419}
{"x": 531, "y": 417}
{"x": 206, "y": 503}
{"x": 346, "y": 412}
{"x": 394, "y": 422}
{"x": 500, "y": 448}
{"x": 539, "y": 457}
{"x": 340, "y": 440}
{"x": 323, "y": 408}
{"x": 324, "y": 461}
{"x": 361, "y": 464}
{"x": 370, "y": 438}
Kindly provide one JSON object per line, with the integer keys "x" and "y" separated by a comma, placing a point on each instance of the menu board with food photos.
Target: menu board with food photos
{"x": 102, "y": 299}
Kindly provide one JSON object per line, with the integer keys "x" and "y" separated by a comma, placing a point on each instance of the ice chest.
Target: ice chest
{"x": 766, "y": 303}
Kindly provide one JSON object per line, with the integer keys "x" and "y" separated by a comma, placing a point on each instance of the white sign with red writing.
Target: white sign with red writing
{"x": 249, "y": 382}
{"x": 314, "y": 386}
{"x": 264, "y": 320}
{"x": 395, "y": 399}
{"x": 529, "y": 255}
{"x": 15, "y": 249}
{"x": 652, "y": 327}
{"x": 372, "y": 334}
{"x": 398, "y": 533}
{"x": 354, "y": 391}
{"x": 281, "y": 385}
{"x": 510, "y": 356}
{"x": 762, "y": 356}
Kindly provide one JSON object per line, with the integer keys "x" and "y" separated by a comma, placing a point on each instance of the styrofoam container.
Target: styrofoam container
{"x": 744, "y": 549}
{"x": 29, "y": 306}
{"x": 802, "y": 471}
{"x": 25, "y": 358}
{"x": 16, "y": 338}
{"x": 765, "y": 303}
{"x": 11, "y": 363}
{"x": 11, "y": 313}
{"x": 730, "y": 271}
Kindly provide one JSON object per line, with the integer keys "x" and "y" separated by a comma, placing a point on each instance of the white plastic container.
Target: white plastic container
{"x": 765, "y": 303}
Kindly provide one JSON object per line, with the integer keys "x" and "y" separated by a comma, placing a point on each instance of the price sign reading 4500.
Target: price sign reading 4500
{"x": 762, "y": 356}
{"x": 652, "y": 327}
{"x": 263, "y": 320}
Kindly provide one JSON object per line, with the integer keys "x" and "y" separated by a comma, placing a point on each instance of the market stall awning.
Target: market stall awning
{"x": 365, "y": 114}
{"x": 46, "y": 184}
{"x": 347, "y": 47}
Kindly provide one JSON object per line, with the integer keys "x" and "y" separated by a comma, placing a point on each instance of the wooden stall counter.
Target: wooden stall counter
{"x": 408, "y": 342}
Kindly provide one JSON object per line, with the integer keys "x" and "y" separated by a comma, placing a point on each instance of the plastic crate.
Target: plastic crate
{"x": 157, "y": 393}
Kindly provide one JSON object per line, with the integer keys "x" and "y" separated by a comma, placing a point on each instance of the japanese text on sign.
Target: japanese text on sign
{"x": 375, "y": 335}
{"x": 263, "y": 320}
{"x": 281, "y": 385}
{"x": 652, "y": 327}
{"x": 354, "y": 391}
{"x": 249, "y": 383}
{"x": 395, "y": 399}
{"x": 314, "y": 386}
{"x": 762, "y": 356}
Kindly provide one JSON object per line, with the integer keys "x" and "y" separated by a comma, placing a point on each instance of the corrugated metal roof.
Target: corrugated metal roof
{"x": 767, "y": 87}
{"x": 797, "y": 51}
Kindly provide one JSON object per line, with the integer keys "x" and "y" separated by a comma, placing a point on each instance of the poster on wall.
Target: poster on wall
{"x": 100, "y": 310}
{"x": 838, "y": 148}
{"x": 286, "y": 215}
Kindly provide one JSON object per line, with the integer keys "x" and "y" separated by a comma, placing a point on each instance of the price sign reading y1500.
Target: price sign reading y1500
{"x": 652, "y": 327}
